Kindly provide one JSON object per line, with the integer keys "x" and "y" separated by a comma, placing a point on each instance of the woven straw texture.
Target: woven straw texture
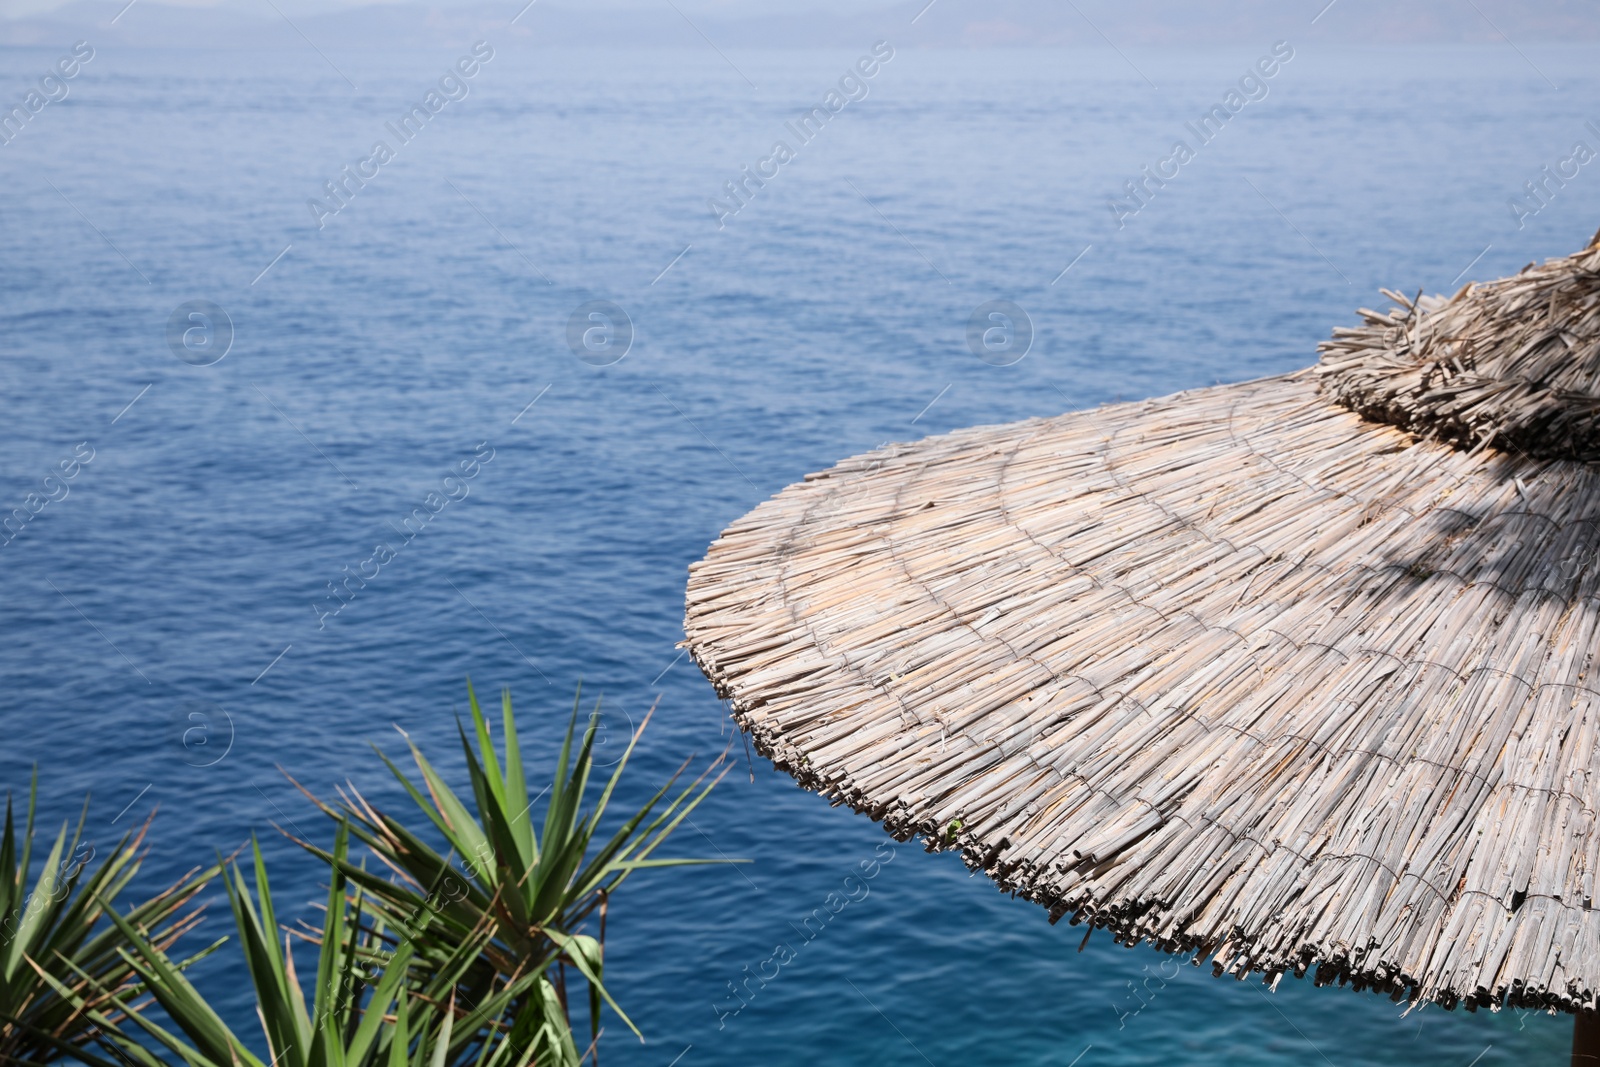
{"x": 1238, "y": 672}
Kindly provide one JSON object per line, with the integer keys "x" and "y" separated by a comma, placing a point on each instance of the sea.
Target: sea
{"x": 298, "y": 435}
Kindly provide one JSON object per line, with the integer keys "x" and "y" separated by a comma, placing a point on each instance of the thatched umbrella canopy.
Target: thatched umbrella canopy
{"x": 1297, "y": 674}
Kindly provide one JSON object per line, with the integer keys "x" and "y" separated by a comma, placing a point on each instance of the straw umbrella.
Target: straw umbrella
{"x": 1295, "y": 675}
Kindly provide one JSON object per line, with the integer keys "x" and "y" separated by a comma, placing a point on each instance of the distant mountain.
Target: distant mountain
{"x": 944, "y": 23}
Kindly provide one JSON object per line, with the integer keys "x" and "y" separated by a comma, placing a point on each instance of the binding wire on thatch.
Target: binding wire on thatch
{"x": 1238, "y": 672}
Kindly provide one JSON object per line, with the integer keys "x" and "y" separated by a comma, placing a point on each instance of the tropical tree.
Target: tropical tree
{"x": 522, "y": 890}
{"x": 458, "y": 958}
{"x": 359, "y": 1015}
{"x": 60, "y": 964}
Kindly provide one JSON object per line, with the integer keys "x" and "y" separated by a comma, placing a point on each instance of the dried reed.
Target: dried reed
{"x": 1237, "y": 672}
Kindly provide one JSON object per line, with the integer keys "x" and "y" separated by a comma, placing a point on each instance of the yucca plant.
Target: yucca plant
{"x": 58, "y": 960}
{"x": 528, "y": 891}
{"x": 359, "y": 1015}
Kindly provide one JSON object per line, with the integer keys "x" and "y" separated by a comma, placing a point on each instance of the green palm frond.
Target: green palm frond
{"x": 58, "y": 960}
{"x": 450, "y": 959}
{"x": 358, "y": 1014}
{"x": 531, "y": 886}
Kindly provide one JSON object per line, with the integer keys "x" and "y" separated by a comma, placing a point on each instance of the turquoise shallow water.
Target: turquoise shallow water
{"x": 168, "y": 635}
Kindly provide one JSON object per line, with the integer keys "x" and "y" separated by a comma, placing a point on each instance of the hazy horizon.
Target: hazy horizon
{"x": 791, "y": 23}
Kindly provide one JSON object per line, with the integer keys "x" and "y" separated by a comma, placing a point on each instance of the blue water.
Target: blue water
{"x": 166, "y": 637}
